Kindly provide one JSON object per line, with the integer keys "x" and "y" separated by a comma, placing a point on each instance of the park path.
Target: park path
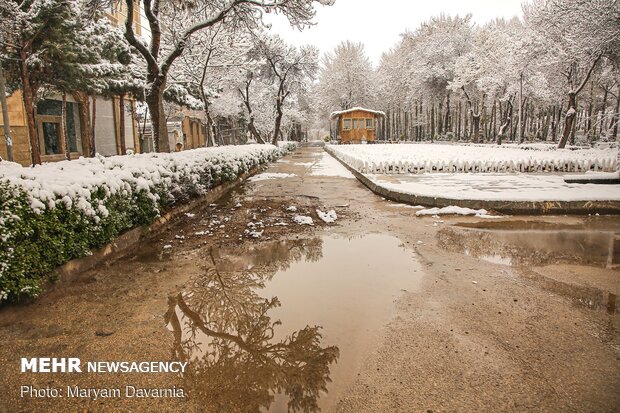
{"x": 419, "y": 325}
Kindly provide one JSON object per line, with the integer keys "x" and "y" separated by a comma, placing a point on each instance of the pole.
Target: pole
{"x": 5, "y": 118}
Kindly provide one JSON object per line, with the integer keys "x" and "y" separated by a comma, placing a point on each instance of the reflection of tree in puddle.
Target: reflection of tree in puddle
{"x": 223, "y": 328}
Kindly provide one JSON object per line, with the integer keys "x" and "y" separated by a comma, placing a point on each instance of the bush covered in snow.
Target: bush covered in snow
{"x": 425, "y": 158}
{"x": 55, "y": 212}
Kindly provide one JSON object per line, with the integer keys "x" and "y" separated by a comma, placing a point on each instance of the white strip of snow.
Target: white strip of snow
{"x": 594, "y": 176}
{"x": 342, "y": 112}
{"x": 270, "y": 175}
{"x": 451, "y": 210}
{"x": 497, "y": 187}
{"x": 328, "y": 166}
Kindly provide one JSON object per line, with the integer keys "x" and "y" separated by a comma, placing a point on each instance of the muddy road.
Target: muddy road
{"x": 375, "y": 311}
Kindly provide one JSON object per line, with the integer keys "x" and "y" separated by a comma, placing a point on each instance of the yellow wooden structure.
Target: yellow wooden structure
{"x": 356, "y": 125}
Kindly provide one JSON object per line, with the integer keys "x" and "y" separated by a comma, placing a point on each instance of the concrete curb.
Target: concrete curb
{"x": 122, "y": 245}
{"x": 506, "y": 207}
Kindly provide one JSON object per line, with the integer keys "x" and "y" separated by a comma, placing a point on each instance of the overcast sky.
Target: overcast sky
{"x": 379, "y": 23}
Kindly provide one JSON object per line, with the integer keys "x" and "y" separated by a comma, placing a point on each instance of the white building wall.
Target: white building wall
{"x": 105, "y": 138}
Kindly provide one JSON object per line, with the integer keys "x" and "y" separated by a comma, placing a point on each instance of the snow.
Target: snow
{"x": 452, "y": 210}
{"x": 303, "y": 220}
{"x": 406, "y": 206}
{"x": 327, "y": 217}
{"x": 178, "y": 175}
{"x": 329, "y": 166}
{"x": 594, "y": 176}
{"x": 270, "y": 175}
{"x": 496, "y": 187}
{"x": 471, "y": 158}
{"x": 292, "y": 208}
{"x": 342, "y": 112}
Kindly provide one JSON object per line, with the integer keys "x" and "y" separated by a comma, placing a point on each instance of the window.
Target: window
{"x": 369, "y": 124}
{"x": 49, "y": 117}
{"x": 346, "y": 124}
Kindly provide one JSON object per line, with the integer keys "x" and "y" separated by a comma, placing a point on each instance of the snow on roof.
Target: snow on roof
{"x": 342, "y": 112}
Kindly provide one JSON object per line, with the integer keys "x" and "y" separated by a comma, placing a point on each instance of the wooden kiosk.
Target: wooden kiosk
{"x": 356, "y": 125}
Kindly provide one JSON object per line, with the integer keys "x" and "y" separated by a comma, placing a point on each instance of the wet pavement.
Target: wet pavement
{"x": 377, "y": 311}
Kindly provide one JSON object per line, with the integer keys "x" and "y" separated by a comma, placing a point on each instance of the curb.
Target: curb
{"x": 505, "y": 207}
{"x": 122, "y": 245}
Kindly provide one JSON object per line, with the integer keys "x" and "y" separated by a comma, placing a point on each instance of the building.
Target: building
{"x": 356, "y": 125}
{"x": 51, "y": 134}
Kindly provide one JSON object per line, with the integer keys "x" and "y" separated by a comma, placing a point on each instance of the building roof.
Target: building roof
{"x": 342, "y": 112}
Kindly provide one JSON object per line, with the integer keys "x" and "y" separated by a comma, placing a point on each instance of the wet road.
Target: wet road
{"x": 377, "y": 311}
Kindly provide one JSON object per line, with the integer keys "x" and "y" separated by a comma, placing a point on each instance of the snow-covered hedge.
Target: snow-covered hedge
{"x": 424, "y": 158}
{"x": 55, "y": 212}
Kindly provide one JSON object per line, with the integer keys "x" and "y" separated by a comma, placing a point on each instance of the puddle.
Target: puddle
{"x": 571, "y": 260}
{"x": 533, "y": 244}
{"x": 273, "y": 326}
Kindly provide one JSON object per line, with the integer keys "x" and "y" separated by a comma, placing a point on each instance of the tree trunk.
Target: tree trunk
{"x": 210, "y": 128}
{"x": 447, "y": 121}
{"x": 276, "y": 129}
{"x": 432, "y": 122}
{"x": 569, "y": 119}
{"x": 588, "y": 121}
{"x": 28, "y": 99}
{"x": 440, "y": 119}
{"x": 616, "y": 117}
{"x": 505, "y": 122}
{"x": 159, "y": 126}
{"x": 603, "y": 109}
{"x": 553, "y": 125}
{"x": 458, "y": 123}
{"x": 84, "y": 115}
{"x": 121, "y": 120}
{"x": 5, "y": 118}
{"x": 93, "y": 122}
{"x": 522, "y": 119}
{"x": 475, "y": 121}
{"x": 63, "y": 119}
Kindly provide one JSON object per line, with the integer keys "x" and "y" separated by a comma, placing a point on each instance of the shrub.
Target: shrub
{"x": 56, "y": 212}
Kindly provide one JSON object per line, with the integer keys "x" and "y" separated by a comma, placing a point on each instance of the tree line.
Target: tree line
{"x": 215, "y": 56}
{"x": 551, "y": 75}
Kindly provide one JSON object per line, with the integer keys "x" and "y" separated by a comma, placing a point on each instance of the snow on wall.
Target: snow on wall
{"x": 425, "y": 158}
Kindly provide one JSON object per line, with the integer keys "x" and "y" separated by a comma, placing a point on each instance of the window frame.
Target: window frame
{"x": 372, "y": 123}
{"x": 344, "y": 123}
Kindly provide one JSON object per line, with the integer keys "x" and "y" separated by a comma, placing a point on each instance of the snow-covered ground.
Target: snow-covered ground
{"x": 328, "y": 166}
{"x": 270, "y": 175}
{"x": 496, "y": 187}
{"x": 425, "y": 158}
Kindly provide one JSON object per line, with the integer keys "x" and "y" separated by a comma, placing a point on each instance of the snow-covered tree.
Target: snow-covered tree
{"x": 436, "y": 46}
{"x": 56, "y": 45}
{"x": 577, "y": 35}
{"x": 346, "y": 77}
{"x": 287, "y": 68}
{"x": 202, "y": 71}
{"x": 172, "y": 25}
